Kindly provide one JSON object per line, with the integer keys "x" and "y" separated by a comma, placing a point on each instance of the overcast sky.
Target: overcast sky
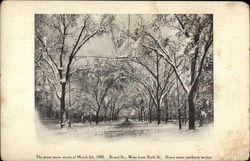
{"x": 103, "y": 45}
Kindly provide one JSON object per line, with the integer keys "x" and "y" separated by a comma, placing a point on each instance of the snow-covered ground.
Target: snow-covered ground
{"x": 115, "y": 131}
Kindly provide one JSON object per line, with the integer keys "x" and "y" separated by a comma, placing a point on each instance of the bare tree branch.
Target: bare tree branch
{"x": 146, "y": 67}
{"x": 52, "y": 83}
{"x": 150, "y": 93}
{"x": 186, "y": 89}
{"x": 202, "y": 61}
{"x": 49, "y": 61}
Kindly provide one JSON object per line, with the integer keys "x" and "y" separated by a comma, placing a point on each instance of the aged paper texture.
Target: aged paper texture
{"x": 115, "y": 100}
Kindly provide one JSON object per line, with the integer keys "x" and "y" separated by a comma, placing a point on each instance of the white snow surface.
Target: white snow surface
{"x": 114, "y": 131}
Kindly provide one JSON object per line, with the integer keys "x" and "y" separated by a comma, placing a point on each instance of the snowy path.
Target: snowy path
{"x": 124, "y": 129}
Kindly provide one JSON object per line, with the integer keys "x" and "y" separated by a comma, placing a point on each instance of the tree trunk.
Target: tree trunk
{"x": 90, "y": 118}
{"x": 150, "y": 116}
{"x": 70, "y": 118}
{"x": 166, "y": 117}
{"x": 105, "y": 116}
{"x": 97, "y": 118}
{"x": 179, "y": 117}
{"x": 185, "y": 112}
{"x": 112, "y": 114}
{"x": 166, "y": 108}
{"x": 201, "y": 119}
{"x": 62, "y": 106}
{"x": 141, "y": 115}
{"x": 158, "y": 115}
{"x": 150, "y": 110}
{"x": 81, "y": 118}
{"x": 191, "y": 112}
{"x": 110, "y": 117}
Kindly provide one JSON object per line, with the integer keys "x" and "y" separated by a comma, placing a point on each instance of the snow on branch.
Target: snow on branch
{"x": 63, "y": 81}
{"x": 48, "y": 59}
{"x": 149, "y": 91}
{"x": 202, "y": 60}
{"x": 146, "y": 67}
{"x": 52, "y": 83}
{"x": 50, "y": 63}
{"x": 167, "y": 58}
{"x": 84, "y": 41}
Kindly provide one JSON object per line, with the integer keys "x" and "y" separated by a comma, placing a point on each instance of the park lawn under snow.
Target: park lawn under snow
{"x": 115, "y": 131}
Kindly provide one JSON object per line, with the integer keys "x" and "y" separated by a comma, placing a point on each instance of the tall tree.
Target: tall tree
{"x": 197, "y": 35}
{"x": 101, "y": 78}
{"x": 59, "y": 39}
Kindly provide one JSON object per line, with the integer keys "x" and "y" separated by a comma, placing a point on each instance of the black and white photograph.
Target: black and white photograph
{"x": 124, "y": 80}
{"x": 114, "y": 76}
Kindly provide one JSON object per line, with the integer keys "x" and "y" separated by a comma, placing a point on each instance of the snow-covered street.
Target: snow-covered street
{"x": 115, "y": 131}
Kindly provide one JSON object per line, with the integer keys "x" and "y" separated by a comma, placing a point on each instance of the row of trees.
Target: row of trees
{"x": 162, "y": 67}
